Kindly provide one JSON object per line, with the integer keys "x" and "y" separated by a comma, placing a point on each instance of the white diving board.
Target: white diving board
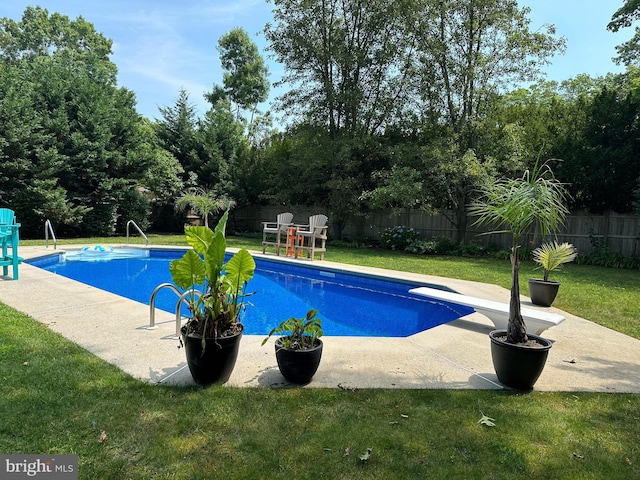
{"x": 536, "y": 321}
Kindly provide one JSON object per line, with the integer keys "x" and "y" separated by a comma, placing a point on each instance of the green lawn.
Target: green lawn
{"x": 57, "y": 398}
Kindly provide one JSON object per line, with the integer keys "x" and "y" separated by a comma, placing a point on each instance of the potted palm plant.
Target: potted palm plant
{"x": 299, "y": 349}
{"x": 549, "y": 256}
{"x": 516, "y": 206}
{"x": 214, "y": 293}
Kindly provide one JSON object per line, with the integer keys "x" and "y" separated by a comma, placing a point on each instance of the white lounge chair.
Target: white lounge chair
{"x": 307, "y": 236}
{"x": 536, "y": 321}
{"x": 272, "y": 231}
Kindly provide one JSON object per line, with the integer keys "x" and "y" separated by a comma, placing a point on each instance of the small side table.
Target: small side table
{"x": 291, "y": 241}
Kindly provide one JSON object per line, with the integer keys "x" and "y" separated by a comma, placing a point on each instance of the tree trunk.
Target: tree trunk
{"x": 516, "y": 330}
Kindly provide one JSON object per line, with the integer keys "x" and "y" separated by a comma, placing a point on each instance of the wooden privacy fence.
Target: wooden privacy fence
{"x": 620, "y": 233}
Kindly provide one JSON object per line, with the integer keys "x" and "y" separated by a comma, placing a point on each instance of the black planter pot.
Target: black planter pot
{"x": 298, "y": 366}
{"x": 518, "y": 366}
{"x": 543, "y": 293}
{"x": 218, "y": 360}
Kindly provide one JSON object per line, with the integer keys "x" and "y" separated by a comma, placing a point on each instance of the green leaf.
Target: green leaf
{"x": 488, "y": 421}
{"x": 222, "y": 223}
{"x": 240, "y": 268}
{"x": 214, "y": 256}
{"x": 199, "y": 238}
{"x": 188, "y": 270}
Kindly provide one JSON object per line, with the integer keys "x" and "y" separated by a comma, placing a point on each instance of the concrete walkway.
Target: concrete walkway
{"x": 585, "y": 356}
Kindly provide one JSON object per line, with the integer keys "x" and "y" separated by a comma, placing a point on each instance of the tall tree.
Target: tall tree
{"x": 346, "y": 65}
{"x": 177, "y": 132}
{"x": 245, "y": 78}
{"x": 79, "y": 153}
{"x": 602, "y": 154}
{"x": 222, "y": 144}
{"x": 345, "y": 61}
{"x": 469, "y": 51}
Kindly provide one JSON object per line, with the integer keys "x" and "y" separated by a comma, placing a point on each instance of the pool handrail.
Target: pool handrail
{"x": 48, "y": 228}
{"x": 182, "y": 297}
{"x": 146, "y": 240}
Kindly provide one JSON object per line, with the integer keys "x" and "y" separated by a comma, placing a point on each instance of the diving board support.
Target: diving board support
{"x": 536, "y": 321}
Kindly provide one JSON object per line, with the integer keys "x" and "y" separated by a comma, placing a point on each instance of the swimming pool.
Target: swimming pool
{"x": 349, "y": 304}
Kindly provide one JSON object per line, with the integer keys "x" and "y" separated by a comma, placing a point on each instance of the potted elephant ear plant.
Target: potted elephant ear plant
{"x": 549, "y": 256}
{"x": 215, "y": 295}
{"x": 299, "y": 349}
{"x": 517, "y": 206}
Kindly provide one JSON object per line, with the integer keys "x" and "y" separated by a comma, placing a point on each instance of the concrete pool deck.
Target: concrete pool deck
{"x": 585, "y": 356}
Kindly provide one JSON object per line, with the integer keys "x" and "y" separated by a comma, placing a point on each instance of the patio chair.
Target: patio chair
{"x": 9, "y": 239}
{"x": 272, "y": 232}
{"x": 308, "y": 236}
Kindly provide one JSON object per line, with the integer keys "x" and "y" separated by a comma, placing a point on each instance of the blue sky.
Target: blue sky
{"x": 162, "y": 46}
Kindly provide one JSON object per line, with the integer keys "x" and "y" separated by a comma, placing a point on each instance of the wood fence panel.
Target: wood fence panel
{"x": 621, "y": 233}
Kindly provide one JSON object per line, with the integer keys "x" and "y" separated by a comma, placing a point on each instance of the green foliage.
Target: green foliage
{"x": 298, "y": 333}
{"x": 398, "y": 237}
{"x": 222, "y": 147}
{"x": 551, "y": 256}
{"x": 202, "y": 202}
{"x": 215, "y": 306}
{"x": 422, "y": 247}
{"x": 177, "y": 133}
{"x": 600, "y": 255}
{"x": 245, "y": 76}
{"x": 628, "y": 51}
{"x": 346, "y": 63}
{"x": 163, "y": 176}
{"x": 134, "y": 205}
{"x": 66, "y": 126}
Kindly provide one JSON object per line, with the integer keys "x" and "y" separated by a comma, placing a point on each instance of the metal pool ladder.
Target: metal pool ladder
{"x": 131, "y": 222}
{"x": 49, "y": 229}
{"x": 181, "y": 298}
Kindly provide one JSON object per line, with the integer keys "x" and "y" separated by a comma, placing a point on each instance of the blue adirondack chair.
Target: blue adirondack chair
{"x": 9, "y": 238}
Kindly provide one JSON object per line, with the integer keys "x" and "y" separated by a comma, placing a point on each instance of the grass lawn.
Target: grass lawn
{"x": 57, "y": 398}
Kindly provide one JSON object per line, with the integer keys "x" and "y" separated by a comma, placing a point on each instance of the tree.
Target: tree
{"x": 468, "y": 52}
{"x": 625, "y": 15}
{"x": 345, "y": 61}
{"x": 347, "y": 67}
{"x": 601, "y": 155}
{"x": 628, "y": 52}
{"x": 203, "y": 203}
{"x": 514, "y": 206}
{"x": 39, "y": 34}
{"x": 177, "y": 133}
{"x": 70, "y": 141}
{"x": 222, "y": 144}
{"x": 245, "y": 79}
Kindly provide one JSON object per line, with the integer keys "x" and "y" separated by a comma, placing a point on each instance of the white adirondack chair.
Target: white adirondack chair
{"x": 272, "y": 232}
{"x": 309, "y": 235}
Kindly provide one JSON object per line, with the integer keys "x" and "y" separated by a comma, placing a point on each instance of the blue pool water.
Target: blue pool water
{"x": 348, "y": 304}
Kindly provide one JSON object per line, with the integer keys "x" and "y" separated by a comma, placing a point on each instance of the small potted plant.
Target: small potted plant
{"x": 214, "y": 293}
{"x": 549, "y": 256}
{"x": 299, "y": 349}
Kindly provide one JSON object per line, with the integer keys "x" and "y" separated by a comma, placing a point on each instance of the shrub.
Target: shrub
{"x": 445, "y": 246}
{"x": 471, "y": 250}
{"x": 398, "y": 238}
{"x": 423, "y": 247}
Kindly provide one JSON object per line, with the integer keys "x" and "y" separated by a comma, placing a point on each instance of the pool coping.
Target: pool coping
{"x": 585, "y": 356}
